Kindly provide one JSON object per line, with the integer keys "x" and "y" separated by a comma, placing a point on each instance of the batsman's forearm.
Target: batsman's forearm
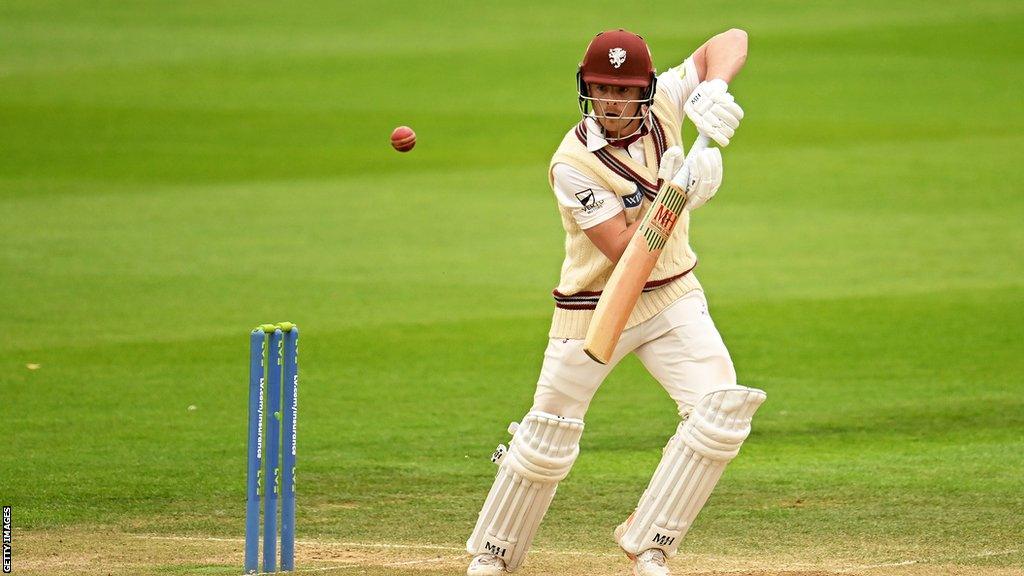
{"x": 726, "y": 54}
{"x": 622, "y": 241}
{"x": 619, "y": 298}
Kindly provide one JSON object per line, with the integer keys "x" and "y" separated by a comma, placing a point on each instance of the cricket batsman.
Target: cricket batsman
{"x": 605, "y": 175}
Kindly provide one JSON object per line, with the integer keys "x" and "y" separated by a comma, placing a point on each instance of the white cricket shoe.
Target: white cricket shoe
{"x": 486, "y": 565}
{"x": 650, "y": 562}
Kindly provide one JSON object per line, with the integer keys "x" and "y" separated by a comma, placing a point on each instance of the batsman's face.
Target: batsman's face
{"x": 617, "y": 107}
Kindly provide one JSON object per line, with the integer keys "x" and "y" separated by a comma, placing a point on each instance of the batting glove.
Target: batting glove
{"x": 671, "y": 162}
{"x": 714, "y": 111}
{"x": 705, "y": 178}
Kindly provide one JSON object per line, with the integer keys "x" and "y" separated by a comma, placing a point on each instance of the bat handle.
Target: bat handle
{"x": 681, "y": 178}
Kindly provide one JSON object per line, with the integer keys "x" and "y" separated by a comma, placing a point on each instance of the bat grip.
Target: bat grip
{"x": 683, "y": 175}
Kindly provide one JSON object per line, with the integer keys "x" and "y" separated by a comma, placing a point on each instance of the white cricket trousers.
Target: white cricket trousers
{"x": 680, "y": 347}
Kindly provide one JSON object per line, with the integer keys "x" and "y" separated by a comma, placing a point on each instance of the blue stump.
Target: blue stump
{"x": 288, "y": 422}
{"x": 255, "y": 450}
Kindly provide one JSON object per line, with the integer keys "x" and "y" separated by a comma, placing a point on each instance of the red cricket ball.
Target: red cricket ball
{"x": 403, "y": 138}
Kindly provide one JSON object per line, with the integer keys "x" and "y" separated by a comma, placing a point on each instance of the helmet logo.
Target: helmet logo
{"x": 617, "y": 56}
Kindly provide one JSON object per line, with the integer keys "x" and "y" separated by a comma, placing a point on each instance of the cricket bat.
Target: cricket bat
{"x": 634, "y": 267}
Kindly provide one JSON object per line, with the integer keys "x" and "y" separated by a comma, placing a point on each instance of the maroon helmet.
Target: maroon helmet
{"x": 617, "y": 58}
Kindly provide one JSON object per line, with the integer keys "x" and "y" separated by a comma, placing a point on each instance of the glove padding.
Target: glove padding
{"x": 705, "y": 178}
{"x": 671, "y": 162}
{"x": 714, "y": 111}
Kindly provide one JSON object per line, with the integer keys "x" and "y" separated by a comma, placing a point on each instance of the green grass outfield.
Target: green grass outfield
{"x": 172, "y": 174}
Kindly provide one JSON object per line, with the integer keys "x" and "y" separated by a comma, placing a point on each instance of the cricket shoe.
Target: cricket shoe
{"x": 486, "y": 565}
{"x": 650, "y": 562}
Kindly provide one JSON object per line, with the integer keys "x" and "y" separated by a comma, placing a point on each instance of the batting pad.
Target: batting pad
{"x": 691, "y": 465}
{"x": 541, "y": 453}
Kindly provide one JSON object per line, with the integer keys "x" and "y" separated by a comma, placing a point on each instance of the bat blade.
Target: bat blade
{"x": 634, "y": 268}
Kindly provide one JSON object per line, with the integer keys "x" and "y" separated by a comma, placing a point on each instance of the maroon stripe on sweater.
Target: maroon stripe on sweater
{"x": 660, "y": 143}
{"x": 570, "y": 305}
{"x": 581, "y": 133}
{"x": 650, "y": 189}
{"x": 613, "y": 163}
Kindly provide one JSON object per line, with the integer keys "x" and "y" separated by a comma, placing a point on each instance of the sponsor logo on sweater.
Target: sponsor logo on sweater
{"x": 634, "y": 199}
{"x": 589, "y": 201}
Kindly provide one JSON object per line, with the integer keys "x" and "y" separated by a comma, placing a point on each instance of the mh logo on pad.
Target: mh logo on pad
{"x": 663, "y": 540}
{"x": 491, "y": 548}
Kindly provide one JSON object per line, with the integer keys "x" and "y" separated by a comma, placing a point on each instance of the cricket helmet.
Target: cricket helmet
{"x": 616, "y": 58}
